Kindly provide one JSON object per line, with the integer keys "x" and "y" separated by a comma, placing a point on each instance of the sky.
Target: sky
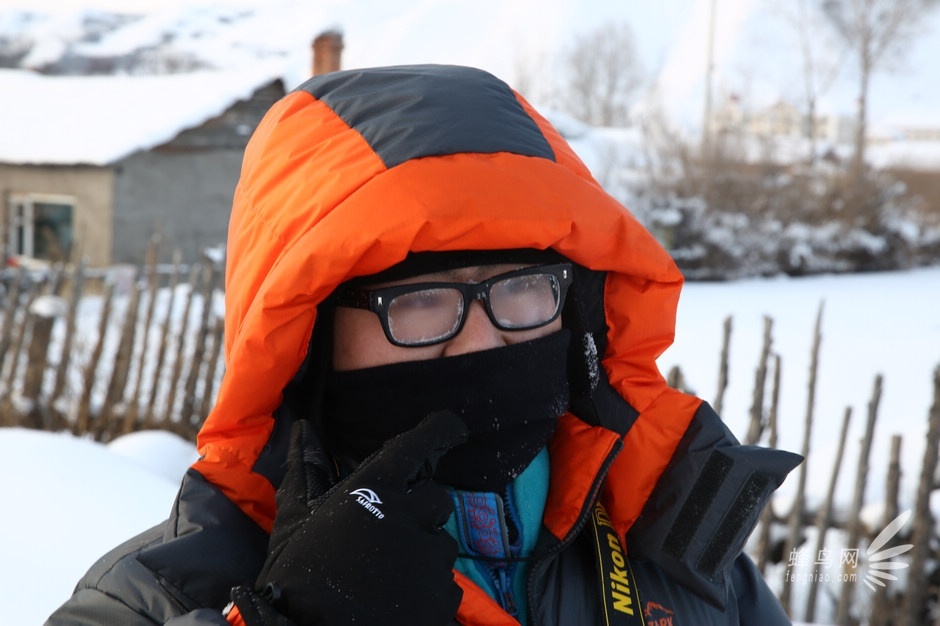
{"x": 71, "y": 499}
{"x": 753, "y": 53}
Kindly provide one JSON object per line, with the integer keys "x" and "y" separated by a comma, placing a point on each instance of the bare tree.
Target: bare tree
{"x": 820, "y": 58}
{"x": 603, "y": 72}
{"x": 530, "y": 73}
{"x": 876, "y": 32}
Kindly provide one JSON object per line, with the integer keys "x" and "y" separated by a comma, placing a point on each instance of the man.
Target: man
{"x": 450, "y": 330}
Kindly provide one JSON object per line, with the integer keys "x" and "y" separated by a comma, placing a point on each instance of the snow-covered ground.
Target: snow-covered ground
{"x": 68, "y": 500}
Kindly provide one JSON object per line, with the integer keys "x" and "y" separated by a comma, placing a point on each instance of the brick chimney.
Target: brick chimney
{"x": 327, "y": 50}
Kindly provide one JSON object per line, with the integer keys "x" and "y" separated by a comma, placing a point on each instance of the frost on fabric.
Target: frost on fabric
{"x": 590, "y": 358}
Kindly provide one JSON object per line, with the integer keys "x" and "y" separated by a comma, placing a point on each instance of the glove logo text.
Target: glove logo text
{"x": 367, "y": 499}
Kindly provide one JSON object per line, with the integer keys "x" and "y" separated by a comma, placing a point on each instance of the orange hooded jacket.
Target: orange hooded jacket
{"x": 343, "y": 178}
{"x": 319, "y": 204}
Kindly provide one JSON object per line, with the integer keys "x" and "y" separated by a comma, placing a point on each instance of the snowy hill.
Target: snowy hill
{"x": 518, "y": 41}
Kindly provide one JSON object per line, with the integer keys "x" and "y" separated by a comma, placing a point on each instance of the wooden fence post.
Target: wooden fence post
{"x": 883, "y": 604}
{"x": 43, "y": 314}
{"x": 179, "y": 355}
{"x": 188, "y": 416}
{"x": 74, "y": 300}
{"x": 56, "y": 279}
{"x": 10, "y": 307}
{"x": 795, "y": 519}
{"x": 824, "y": 516}
{"x": 676, "y": 379}
{"x": 756, "y": 427}
{"x": 22, "y": 330}
{"x": 768, "y": 516}
{"x": 723, "y": 365}
{"x": 153, "y": 282}
{"x": 83, "y": 418}
{"x": 814, "y": 365}
{"x": 853, "y": 529}
{"x": 149, "y": 417}
{"x": 114, "y": 396}
{"x": 916, "y": 598}
{"x": 208, "y": 394}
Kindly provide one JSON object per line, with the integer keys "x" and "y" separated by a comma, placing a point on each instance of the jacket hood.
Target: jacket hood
{"x": 353, "y": 170}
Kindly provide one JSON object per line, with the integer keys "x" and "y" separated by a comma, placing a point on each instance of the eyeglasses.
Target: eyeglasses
{"x": 422, "y": 314}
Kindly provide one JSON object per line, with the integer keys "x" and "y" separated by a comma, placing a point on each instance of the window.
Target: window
{"x": 40, "y": 226}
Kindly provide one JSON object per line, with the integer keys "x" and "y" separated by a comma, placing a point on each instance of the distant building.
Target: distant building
{"x": 101, "y": 163}
{"x": 908, "y": 128}
{"x": 778, "y": 120}
{"x": 914, "y": 133}
{"x": 781, "y": 119}
{"x": 836, "y": 128}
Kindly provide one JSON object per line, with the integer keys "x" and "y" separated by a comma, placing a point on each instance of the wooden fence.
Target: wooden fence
{"x": 103, "y": 353}
{"x": 910, "y": 599}
{"x": 107, "y": 353}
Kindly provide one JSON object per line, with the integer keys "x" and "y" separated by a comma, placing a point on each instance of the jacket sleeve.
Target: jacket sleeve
{"x": 757, "y": 604}
{"x": 705, "y": 505}
{"x": 118, "y": 589}
{"x": 178, "y": 572}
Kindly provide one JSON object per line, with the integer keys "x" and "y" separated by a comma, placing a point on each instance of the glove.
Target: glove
{"x": 372, "y": 548}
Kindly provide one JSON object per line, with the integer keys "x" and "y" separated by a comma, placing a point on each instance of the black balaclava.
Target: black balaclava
{"x": 510, "y": 397}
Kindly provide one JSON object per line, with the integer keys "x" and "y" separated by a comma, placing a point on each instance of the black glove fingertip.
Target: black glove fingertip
{"x": 255, "y": 610}
{"x": 449, "y": 430}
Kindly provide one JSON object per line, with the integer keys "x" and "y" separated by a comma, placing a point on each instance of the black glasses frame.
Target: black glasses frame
{"x": 378, "y": 300}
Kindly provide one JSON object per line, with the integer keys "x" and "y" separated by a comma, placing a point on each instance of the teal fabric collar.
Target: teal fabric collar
{"x": 516, "y": 517}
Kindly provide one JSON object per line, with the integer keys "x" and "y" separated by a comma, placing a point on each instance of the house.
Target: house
{"x": 99, "y": 164}
{"x": 906, "y": 126}
{"x": 781, "y": 119}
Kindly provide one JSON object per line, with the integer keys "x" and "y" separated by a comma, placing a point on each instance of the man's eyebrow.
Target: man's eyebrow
{"x": 479, "y": 273}
{"x": 451, "y": 275}
{"x": 459, "y": 275}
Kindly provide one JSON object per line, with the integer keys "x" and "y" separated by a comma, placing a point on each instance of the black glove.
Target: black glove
{"x": 372, "y": 549}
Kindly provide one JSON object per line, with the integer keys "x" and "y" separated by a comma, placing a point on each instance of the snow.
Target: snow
{"x": 886, "y": 323}
{"x": 924, "y": 155}
{"x": 518, "y": 41}
{"x": 99, "y": 119}
{"x": 160, "y": 452}
{"x": 69, "y": 499}
{"x": 48, "y": 306}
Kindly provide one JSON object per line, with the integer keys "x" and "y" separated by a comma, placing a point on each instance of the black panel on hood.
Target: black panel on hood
{"x": 430, "y": 110}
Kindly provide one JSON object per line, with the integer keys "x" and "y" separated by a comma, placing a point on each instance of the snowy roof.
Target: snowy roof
{"x": 97, "y": 120}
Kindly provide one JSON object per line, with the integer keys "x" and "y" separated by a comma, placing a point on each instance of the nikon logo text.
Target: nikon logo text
{"x": 367, "y": 499}
{"x": 619, "y": 581}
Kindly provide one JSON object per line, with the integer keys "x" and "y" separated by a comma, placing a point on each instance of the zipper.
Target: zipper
{"x": 579, "y": 524}
{"x": 503, "y": 583}
{"x": 490, "y": 561}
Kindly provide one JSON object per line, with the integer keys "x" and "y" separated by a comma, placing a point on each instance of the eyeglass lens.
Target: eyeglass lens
{"x": 429, "y": 315}
{"x": 425, "y": 316}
